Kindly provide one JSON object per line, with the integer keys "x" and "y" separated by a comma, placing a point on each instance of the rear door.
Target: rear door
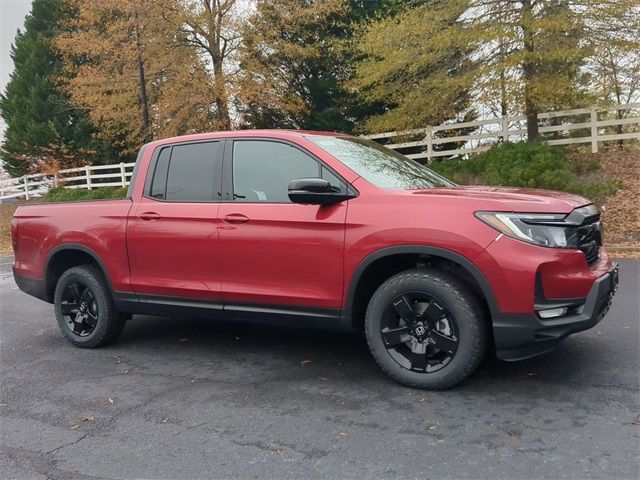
{"x": 275, "y": 252}
{"x": 173, "y": 231}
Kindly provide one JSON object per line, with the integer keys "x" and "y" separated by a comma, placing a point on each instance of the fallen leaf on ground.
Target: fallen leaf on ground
{"x": 208, "y": 364}
{"x": 117, "y": 359}
{"x": 164, "y": 419}
{"x": 512, "y": 434}
{"x": 184, "y": 339}
{"x": 278, "y": 451}
{"x": 245, "y": 398}
{"x": 343, "y": 434}
{"x": 531, "y": 374}
{"x": 636, "y": 422}
{"x": 305, "y": 362}
{"x": 110, "y": 401}
{"x": 431, "y": 427}
{"x": 3, "y": 404}
{"x": 84, "y": 420}
{"x": 421, "y": 400}
{"x": 125, "y": 372}
{"x": 323, "y": 379}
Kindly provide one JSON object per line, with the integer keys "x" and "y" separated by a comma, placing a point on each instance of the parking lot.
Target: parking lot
{"x": 182, "y": 399}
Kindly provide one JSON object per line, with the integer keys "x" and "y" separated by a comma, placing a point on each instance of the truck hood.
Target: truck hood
{"x": 512, "y": 199}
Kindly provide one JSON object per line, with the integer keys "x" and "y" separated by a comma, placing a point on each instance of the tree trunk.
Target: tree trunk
{"x": 529, "y": 72}
{"x": 217, "y": 60}
{"x": 144, "y": 100}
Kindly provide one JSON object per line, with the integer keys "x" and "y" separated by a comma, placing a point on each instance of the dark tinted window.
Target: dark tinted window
{"x": 186, "y": 173}
{"x": 159, "y": 184}
{"x": 262, "y": 170}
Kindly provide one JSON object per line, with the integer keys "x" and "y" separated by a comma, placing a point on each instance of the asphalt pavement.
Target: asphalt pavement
{"x": 194, "y": 399}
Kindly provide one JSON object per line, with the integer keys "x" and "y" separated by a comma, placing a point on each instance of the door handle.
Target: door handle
{"x": 149, "y": 216}
{"x": 235, "y": 218}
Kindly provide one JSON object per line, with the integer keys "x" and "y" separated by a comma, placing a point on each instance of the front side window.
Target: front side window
{"x": 186, "y": 173}
{"x": 378, "y": 165}
{"x": 263, "y": 169}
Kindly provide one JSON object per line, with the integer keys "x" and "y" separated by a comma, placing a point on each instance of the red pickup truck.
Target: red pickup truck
{"x": 315, "y": 228}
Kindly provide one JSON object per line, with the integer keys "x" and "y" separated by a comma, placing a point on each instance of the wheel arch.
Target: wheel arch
{"x": 403, "y": 257}
{"x": 66, "y": 256}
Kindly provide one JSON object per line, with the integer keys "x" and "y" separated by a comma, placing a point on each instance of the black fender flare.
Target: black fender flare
{"x": 74, "y": 246}
{"x": 462, "y": 261}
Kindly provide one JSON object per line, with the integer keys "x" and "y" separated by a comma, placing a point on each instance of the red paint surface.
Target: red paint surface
{"x": 299, "y": 254}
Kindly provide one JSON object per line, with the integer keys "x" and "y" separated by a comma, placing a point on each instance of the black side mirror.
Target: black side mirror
{"x": 316, "y": 191}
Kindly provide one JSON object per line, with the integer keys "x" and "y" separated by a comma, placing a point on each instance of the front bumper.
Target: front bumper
{"x": 521, "y": 336}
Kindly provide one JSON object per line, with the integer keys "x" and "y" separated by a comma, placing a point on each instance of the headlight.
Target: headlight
{"x": 546, "y": 229}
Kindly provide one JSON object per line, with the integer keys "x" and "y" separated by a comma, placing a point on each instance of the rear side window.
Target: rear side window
{"x": 186, "y": 173}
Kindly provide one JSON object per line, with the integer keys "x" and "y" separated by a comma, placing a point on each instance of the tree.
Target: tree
{"x": 297, "y": 57}
{"x": 210, "y": 28}
{"x": 39, "y": 116}
{"x": 414, "y": 64}
{"x": 128, "y": 69}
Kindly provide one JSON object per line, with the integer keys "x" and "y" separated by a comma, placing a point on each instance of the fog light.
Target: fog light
{"x": 552, "y": 312}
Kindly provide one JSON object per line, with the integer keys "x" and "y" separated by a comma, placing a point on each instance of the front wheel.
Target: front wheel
{"x": 84, "y": 308}
{"x": 426, "y": 329}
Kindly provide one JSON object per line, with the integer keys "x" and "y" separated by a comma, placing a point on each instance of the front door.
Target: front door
{"x": 275, "y": 252}
{"x": 173, "y": 232}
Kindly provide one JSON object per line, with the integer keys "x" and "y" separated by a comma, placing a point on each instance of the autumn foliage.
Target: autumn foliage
{"x": 95, "y": 79}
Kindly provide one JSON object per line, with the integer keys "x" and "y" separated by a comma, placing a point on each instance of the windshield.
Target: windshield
{"x": 381, "y": 166}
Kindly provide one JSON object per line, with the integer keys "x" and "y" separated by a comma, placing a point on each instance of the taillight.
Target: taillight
{"x": 14, "y": 235}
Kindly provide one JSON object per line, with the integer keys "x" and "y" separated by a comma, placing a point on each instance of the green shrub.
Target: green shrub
{"x": 60, "y": 194}
{"x": 529, "y": 165}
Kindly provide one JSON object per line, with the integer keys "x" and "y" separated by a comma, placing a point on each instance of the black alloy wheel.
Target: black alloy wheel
{"x": 84, "y": 308}
{"x": 79, "y": 308}
{"x": 426, "y": 329}
{"x": 419, "y": 332}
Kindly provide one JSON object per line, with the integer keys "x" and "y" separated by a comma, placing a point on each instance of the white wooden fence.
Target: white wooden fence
{"x": 89, "y": 177}
{"x": 593, "y": 126}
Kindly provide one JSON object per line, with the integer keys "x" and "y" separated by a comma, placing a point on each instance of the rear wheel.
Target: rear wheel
{"x": 84, "y": 308}
{"x": 426, "y": 329}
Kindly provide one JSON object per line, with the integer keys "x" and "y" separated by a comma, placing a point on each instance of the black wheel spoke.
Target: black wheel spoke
{"x": 433, "y": 313}
{"x": 418, "y": 361}
{"x": 68, "y": 309}
{"x": 404, "y": 310}
{"x": 91, "y": 320}
{"x": 395, "y": 336}
{"x": 86, "y": 295}
{"x": 443, "y": 343}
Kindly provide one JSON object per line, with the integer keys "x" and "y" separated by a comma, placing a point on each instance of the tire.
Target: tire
{"x": 84, "y": 308}
{"x": 455, "y": 330}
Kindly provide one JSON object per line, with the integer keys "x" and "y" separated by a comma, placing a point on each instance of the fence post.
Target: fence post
{"x": 88, "y": 173}
{"x": 56, "y": 179}
{"x": 594, "y": 130}
{"x": 504, "y": 121}
{"x": 123, "y": 175}
{"x": 429, "y": 139}
{"x": 26, "y": 187}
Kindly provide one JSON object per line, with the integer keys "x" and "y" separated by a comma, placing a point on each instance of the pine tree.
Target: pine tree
{"x": 297, "y": 57}
{"x": 39, "y": 118}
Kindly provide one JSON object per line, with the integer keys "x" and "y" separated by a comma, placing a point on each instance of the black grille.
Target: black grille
{"x": 590, "y": 239}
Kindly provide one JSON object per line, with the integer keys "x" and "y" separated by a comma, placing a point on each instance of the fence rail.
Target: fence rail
{"x": 593, "y": 125}
{"x": 34, "y": 185}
